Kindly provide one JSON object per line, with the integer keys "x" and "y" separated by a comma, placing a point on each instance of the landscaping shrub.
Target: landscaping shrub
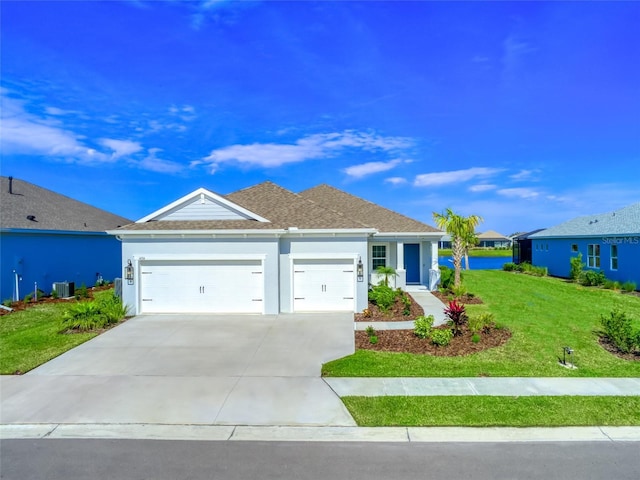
{"x": 457, "y": 316}
{"x": 423, "y": 326}
{"x": 531, "y": 270}
{"x": 592, "y": 278}
{"x": 509, "y": 267}
{"x": 482, "y": 322}
{"x": 576, "y": 267}
{"x": 373, "y": 339}
{"x": 619, "y": 329}
{"x": 86, "y": 316}
{"x": 383, "y": 296}
{"x": 475, "y": 338}
{"x": 459, "y": 291}
{"x": 82, "y": 292}
{"x": 406, "y": 302}
{"x": 611, "y": 285}
{"x": 370, "y": 331}
{"x": 447, "y": 277}
{"x": 442, "y": 338}
{"x": 629, "y": 287}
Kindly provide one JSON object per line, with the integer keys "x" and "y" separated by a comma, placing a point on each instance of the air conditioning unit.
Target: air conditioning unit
{"x": 64, "y": 289}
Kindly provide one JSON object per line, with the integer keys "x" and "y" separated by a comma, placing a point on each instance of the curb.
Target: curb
{"x": 318, "y": 434}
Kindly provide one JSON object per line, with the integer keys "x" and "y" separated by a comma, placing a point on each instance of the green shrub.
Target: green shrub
{"x": 618, "y": 328}
{"x": 592, "y": 278}
{"x": 406, "y": 303}
{"x": 459, "y": 291}
{"x": 629, "y": 287}
{"x": 82, "y": 292}
{"x": 7, "y": 302}
{"x": 529, "y": 269}
{"x": 28, "y": 298}
{"x": 509, "y": 267}
{"x": 370, "y": 331}
{"x": 423, "y": 326}
{"x": 576, "y": 267}
{"x": 383, "y": 296}
{"x": 447, "y": 277}
{"x": 441, "y": 338}
{"x": 475, "y": 338}
{"x": 482, "y": 322}
{"x": 373, "y": 339}
{"x": 86, "y": 316}
{"x": 54, "y": 294}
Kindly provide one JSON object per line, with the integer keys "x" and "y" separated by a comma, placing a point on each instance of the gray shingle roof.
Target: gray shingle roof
{"x": 492, "y": 235}
{"x": 50, "y": 210}
{"x": 372, "y": 215}
{"x": 625, "y": 221}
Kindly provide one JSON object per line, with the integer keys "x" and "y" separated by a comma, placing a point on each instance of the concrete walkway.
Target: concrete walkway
{"x": 429, "y": 303}
{"x": 495, "y": 386}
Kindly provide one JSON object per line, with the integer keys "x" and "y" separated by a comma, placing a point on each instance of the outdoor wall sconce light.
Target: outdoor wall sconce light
{"x": 360, "y": 270}
{"x": 128, "y": 273}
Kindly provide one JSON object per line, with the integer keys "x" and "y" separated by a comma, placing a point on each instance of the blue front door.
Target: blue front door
{"x": 412, "y": 262}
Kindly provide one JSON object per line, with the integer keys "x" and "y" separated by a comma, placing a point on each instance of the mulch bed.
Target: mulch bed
{"x": 466, "y": 298}
{"x": 21, "y": 305}
{"x": 612, "y": 349}
{"x": 395, "y": 313}
{"x": 405, "y": 341}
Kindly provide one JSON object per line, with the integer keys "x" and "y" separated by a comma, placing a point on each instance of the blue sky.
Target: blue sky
{"x": 526, "y": 113}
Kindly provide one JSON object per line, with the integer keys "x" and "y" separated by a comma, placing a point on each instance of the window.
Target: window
{"x": 574, "y": 247}
{"x": 614, "y": 257}
{"x": 593, "y": 256}
{"x": 378, "y": 256}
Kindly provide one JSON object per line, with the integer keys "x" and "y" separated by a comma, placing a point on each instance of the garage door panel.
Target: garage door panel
{"x": 202, "y": 287}
{"x": 323, "y": 285}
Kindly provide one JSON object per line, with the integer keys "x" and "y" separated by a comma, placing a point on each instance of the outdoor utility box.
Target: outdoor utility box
{"x": 64, "y": 289}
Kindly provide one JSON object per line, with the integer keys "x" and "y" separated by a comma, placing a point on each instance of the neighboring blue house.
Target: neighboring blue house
{"x": 609, "y": 242}
{"x": 46, "y": 237}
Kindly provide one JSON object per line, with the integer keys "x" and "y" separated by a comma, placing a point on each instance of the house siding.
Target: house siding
{"x": 46, "y": 258}
{"x": 555, "y": 254}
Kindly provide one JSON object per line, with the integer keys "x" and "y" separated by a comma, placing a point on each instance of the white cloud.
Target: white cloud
{"x": 364, "y": 169}
{"x": 395, "y": 180}
{"x": 482, "y": 187}
{"x": 270, "y": 155}
{"x": 121, "y": 148}
{"x": 454, "y": 176}
{"x": 518, "y": 192}
{"x": 153, "y": 163}
{"x": 523, "y": 175}
{"x": 59, "y": 111}
{"x": 26, "y": 134}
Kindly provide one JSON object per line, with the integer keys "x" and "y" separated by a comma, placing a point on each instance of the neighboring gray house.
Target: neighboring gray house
{"x": 265, "y": 249}
{"x": 607, "y": 241}
{"x": 46, "y": 237}
{"x": 493, "y": 239}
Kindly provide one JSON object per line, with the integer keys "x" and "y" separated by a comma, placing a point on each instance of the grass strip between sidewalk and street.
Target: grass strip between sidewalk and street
{"x": 544, "y": 315}
{"x": 494, "y": 411}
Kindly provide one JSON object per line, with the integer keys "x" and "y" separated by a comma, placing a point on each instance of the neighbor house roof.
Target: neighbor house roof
{"x": 492, "y": 235}
{"x": 625, "y": 221}
{"x": 29, "y": 207}
{"x": 372, "y": 215}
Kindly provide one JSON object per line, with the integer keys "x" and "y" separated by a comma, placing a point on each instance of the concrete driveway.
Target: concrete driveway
{"x": 196, "y": 369}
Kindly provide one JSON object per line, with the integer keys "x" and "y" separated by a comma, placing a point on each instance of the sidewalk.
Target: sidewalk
{"x": 495, "y": 386}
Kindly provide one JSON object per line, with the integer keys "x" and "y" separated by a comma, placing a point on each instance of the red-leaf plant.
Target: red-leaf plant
{"x": 457, "y": 316}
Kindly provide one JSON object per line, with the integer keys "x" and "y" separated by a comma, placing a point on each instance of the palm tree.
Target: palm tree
{"x": 462, "y": 232}
{"x": 387, "y": 272}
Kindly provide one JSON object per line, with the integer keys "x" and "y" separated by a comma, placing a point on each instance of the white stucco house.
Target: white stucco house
{"x": 267, "y": 250}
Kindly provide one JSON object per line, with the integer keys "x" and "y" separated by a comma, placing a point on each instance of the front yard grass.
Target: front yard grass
{"x": 29, "y": 338}
{"x": 485, "y": 411}
{"x": 544, "y": 315}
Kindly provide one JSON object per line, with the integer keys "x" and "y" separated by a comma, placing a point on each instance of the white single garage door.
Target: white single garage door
{"x": 323, "y": 285}
{"x": 217, "y": 286}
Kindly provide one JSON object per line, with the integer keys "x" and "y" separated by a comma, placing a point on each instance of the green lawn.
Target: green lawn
{"x": 30, "y": 337}
{"x": 446, "y": 252}
{"x": 544, "y": 314}
{"x": 485, "y": 411}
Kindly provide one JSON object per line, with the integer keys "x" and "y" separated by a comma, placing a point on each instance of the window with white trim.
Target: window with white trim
{"x": 614, "y": 257}
{"x": 378, "y": 256}
{"x": 593, "y": 255}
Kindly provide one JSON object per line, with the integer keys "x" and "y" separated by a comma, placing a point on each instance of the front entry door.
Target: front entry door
{"x": 412, "y": 262}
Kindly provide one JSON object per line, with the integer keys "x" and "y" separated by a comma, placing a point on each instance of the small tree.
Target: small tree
{"x": 386, "y": 272}
{"x": 576, "y": 267}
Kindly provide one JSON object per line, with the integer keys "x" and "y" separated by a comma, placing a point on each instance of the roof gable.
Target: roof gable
{"x": 492, "y": 235}
{"x": 30, "y": 207}
{"x": 370, "y": 214}
{"x": 625, "y": 221}
{"x": 202, "y": 205}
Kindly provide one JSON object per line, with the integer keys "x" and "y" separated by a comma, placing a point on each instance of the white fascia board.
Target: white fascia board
{"x": 324, "y": 256}
{"x": 197, "y": 233}
{"x": 425, "y": 235}
{"x": 197, "y": 193}
{"x": 295, "y": 232}
{"x": 199, "y": 256}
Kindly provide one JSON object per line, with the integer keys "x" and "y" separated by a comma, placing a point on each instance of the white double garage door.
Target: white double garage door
{"x": 238, "y": 286}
